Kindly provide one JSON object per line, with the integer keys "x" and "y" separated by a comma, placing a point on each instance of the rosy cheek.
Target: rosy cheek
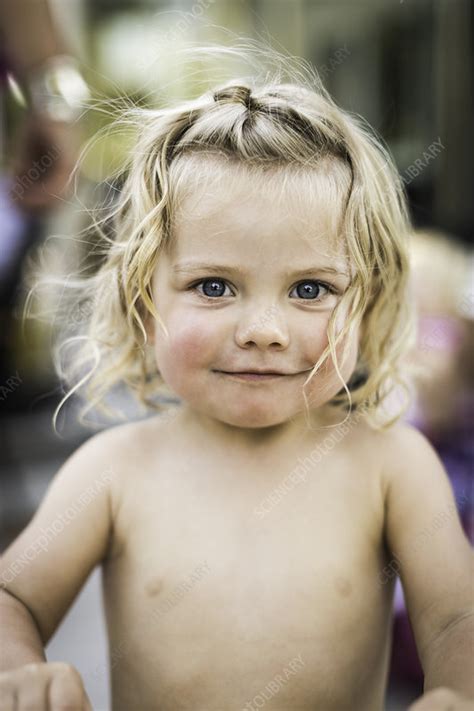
{"x": 315, "y": 340}
{"x": 191, "y": 343}
{"x": 316, "y": 345}
{"x": 190, "y": 347}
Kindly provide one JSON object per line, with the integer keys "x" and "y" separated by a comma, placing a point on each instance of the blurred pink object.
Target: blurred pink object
{"x": 439, "y": 333}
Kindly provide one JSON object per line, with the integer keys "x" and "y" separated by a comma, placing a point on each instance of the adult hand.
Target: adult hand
{"x": 45, "y": 155}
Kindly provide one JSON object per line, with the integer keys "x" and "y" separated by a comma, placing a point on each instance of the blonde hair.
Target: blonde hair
{"x": 267, "y": 125}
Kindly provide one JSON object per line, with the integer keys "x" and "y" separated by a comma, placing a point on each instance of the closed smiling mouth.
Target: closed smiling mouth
{"x": 257, "y": 373}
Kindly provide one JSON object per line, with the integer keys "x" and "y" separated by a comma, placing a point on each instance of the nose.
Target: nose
{"x": 263, "y": 328}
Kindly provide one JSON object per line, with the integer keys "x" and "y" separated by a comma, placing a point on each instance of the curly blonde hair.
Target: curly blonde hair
{"x": 274, "y": 124}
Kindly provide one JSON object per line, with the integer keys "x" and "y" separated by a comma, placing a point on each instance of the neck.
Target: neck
{"x": 285, "y": 434}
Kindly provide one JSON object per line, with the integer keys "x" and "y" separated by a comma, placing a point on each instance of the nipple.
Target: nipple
{"x": 154, "y": 586}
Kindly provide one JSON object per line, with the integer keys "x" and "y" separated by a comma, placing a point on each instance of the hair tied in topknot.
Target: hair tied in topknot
{"x": 237, "y": 94}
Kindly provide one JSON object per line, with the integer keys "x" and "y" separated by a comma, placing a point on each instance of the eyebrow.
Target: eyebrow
{"x": 191, "y": 267}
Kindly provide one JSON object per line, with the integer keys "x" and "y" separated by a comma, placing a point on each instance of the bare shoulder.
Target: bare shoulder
{"x": 399, "y": 434}
{"x": 122, "y": 442}
{"x": 126, "y": 447}
{"x": 75, "y": 526}
{"x": 70, "y": 533}
{"x": 402, "y": 458}
{"x": 132, "y": 446}
{"x": 429, "y": 548}
{"x": 407, "y": 457}
{"x": 121, "y": 453}
{"x": 417, "y": 491}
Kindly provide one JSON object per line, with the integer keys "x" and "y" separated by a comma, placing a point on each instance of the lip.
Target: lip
{"x": 255, "y": 375}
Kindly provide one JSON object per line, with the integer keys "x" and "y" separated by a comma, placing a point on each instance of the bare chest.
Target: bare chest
{"x": 224, "y": 588}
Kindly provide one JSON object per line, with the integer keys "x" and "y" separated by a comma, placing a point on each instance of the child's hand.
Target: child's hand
{"x": 442, "y": 699}
{"x": 43, "y": 687}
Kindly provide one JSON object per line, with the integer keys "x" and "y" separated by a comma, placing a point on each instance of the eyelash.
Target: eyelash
{"x": 331, "y": 289}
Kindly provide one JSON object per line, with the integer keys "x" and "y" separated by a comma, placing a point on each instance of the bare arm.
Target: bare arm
{"x": 435, "y": 559}
{"x": 44, "y": 145}
{"x": 18, "y": 626}
{"x": 42, "y": 571}
{"x": 449, "y": 654}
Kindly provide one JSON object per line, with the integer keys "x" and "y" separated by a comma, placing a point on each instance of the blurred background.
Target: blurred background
{"x": 406, "y": 66}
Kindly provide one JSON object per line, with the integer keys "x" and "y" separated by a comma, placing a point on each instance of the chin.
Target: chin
{"x": 252, "y": 418}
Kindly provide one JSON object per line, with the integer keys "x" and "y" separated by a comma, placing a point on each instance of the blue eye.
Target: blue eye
{"x": 308, "y": 290}
{"x": 212, "y": 287}
{"x": 311, "y": 289}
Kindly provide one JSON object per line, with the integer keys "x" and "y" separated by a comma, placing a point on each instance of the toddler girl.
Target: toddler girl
{"x": 257, "y": 271}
